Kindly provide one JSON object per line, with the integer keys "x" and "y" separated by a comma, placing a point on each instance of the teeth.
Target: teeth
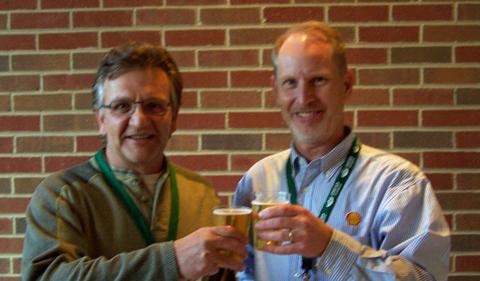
{"x": 306, "y": 114}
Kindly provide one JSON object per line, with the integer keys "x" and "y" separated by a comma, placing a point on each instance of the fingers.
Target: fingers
{"x": 281, "y": 211}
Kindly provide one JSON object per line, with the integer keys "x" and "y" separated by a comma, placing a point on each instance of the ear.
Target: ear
{"x": 100, "y": 117}
{"x": 348, "y": 81}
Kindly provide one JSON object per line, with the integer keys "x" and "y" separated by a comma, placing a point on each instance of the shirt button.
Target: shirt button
{"x": 329, "y": 271}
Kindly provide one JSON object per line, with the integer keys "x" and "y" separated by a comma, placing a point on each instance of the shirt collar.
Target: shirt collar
{"x": 328, "y": 161}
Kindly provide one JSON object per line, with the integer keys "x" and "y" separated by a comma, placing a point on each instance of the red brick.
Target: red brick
{"x": 14, "y": 5}
{"x": 112, "y": 39}
{"x": 468, "y": 96}
{"x": 224, "y": 183}
{"x": 39, "y": 20}
{"x": 475, "y": 277}
{"x": 102, "y": 18}
{"x": 467, "y": 75}
{"x": 422, "y": 12}
{"x": 5, "y": 228}
{"x": 467, "y": 11}
{"x": 204, "y": 79}
{"x": 210, "y": 37}
{"x": 189, "y": 99}
{"x": 292, "y": 14}
{"x": 26, "y": 185}
{"x": 41, "y": 62}
{"x": 441, "y": 181}
{"x": 465, "y": 242}
{"x": 201, "y": 121}
{"x": 230, "y": 99}
{"x": 451, "y": 33}
{"x": 88, "y": 143}
{"x": 183, "y": 143}
{"x": 277, "y": 141}
{"x": 204, "y": 162}
{"x": 439, "y": 118}
{"x": 228, "y": 58}
{"x": 247, "y": 78}
{"x": 11, "y": 245}
{"x": 254, "y": 36}
{"x": 389, "y": 34}
{"x": 452, "y": 160}
{"x": 165, "y": 17}
{"x": 195, "y": 2}
{"x": 19, "y": 83}
{"x": 69, "y": 123}
{"x": 418, "y": 139}
{"x": 375, "y": 139}
{"x": 43, "y": 102}
{"x": 453, "y": 201}
{"x": 19, "y": 123}
{"x": 369, "y": 97}
{"x": 468, "y": 139}
{"x": 467, "y": 263}
{"x": 263, "y": 2}
{"x": 4, "y": 103}
{"x": 230, "y": 16}
{"x": 6, "y": 144}
{"x": 358, "y": 13}
{"x": 468, "y": 181}
{"x": 253, "y": 120}
{"x": 467, "y": 222}
{"x": 87, "y": 60}
{"x": 19, "y": 165}
{"x": 397, "y": 76}
{"x": 68, "y": 40}
{"x": 387, "y": 118}
{"x": 183, "y": 58}
{"x": 243, "y": 162}
{"x": 17, "y": 42}
{"x": 245, "y": 142}
{"x": 67, "y": 82}
{"x": 82, "y": 100}
{"x": 3, "y": 21}
{"x": 131, "y": 3}
{"x": 44, "y": 144}
{"x": 423, "y": 96}
{"x": 421, "y": 55}
{"x": 56, "y": 163}
{"x": 55, "y": 4}
{"x": 367, "y": 55}
{"x": 467, "y": 54}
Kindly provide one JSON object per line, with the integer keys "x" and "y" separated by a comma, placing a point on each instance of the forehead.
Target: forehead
{"x": 303, "y": 52}
{"x": 139, "y": 84}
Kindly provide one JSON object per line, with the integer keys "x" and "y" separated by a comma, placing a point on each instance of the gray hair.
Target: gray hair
{"x": 320, "y": 31}
{"x": 133, "y": 56}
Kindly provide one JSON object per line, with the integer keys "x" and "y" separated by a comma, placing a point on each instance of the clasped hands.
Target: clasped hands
{"x": 202, "y": 252}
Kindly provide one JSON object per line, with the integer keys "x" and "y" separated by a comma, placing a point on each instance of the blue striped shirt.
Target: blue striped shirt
{"x": 402, "y": 234}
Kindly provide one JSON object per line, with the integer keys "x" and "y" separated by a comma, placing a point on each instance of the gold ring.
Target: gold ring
{"x": 290, "y": 236}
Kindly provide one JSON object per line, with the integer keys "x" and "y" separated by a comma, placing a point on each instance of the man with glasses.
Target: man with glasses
{"x": 128, "y": 213}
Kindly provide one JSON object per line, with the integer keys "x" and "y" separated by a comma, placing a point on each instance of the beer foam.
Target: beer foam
{"x": 232, "y": 211}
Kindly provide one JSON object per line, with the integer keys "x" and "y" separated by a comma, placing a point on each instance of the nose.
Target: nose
{"x": 304, "y": 93}
{"x": 138, "y": 115}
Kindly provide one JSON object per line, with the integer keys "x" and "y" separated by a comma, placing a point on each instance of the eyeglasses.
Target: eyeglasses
{"x": 122, "y": 108}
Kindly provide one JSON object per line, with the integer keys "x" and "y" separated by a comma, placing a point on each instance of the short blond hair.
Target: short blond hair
{"x": 320, "y": 31}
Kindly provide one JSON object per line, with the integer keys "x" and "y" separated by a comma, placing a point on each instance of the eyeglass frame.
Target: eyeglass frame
{"x": 133, "y": 106}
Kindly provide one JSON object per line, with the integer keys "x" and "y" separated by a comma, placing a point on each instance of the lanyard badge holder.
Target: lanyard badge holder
{"x": 345, "y": 171}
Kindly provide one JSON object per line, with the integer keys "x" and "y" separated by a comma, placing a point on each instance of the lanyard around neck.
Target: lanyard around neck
{"x": 345, "y": 171}
{"x": 132, "y": 208}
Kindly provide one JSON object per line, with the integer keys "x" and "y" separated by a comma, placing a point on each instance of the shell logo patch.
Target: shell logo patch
{"x": 353, "y": 218}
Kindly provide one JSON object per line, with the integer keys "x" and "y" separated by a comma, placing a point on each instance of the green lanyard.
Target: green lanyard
{"x": 345, "y": 171}
{"x": 132, "y": 208}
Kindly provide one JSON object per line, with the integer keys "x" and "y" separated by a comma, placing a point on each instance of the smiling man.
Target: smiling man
{"x": 128, "y": 213}
{"x": 356, "y": 212}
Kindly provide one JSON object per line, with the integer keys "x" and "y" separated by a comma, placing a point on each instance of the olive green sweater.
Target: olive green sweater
{"x": 77, "y": 229}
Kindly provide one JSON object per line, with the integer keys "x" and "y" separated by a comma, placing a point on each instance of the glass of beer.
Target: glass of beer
{"x": 238, "y": 217}
{"x": 263, "y": 200}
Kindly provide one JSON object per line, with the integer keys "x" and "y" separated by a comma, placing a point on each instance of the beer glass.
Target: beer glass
{"x": 239, "y": 218}
{"x": 262, "y": 201}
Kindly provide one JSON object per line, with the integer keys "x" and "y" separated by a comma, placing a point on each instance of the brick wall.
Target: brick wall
{"x": 417, "y": 92}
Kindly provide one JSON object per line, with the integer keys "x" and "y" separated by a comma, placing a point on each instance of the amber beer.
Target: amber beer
{"x": 263, "y": 201}
{"x": 239, "y": 218}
